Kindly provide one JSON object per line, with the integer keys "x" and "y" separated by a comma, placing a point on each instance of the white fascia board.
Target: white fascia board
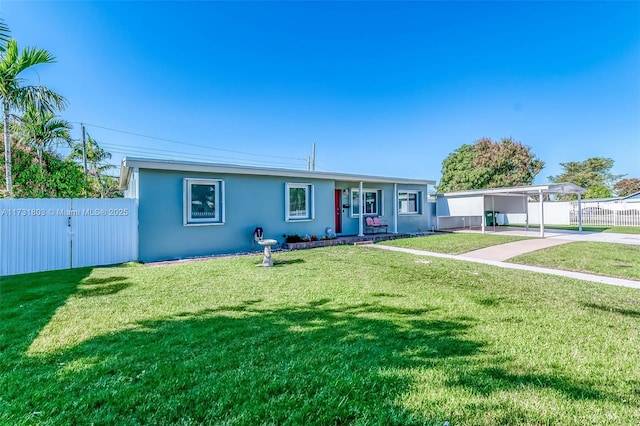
{"x": 125, "y": 174}
{"x": 559, "y": 188}
{"x": 142, "y": 163}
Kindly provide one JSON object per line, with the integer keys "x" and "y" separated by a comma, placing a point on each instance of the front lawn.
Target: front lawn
{"x": 613, "y": 260}
{"x": 340, "y": 335}
{"x": 453, "y": 243}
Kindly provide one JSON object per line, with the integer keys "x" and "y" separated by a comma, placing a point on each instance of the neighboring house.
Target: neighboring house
{"x": 615, "y": 211}
{"x": 633, "y": 198}
{"x": 190, "y": 209}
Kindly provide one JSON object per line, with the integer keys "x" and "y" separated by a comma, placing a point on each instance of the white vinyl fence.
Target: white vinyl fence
{"x": 47, "y": 234}
{"x": 594, "y": 213}
{"x": 606, "y": 213}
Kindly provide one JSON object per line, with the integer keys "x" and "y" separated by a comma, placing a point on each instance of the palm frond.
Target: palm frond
{"x": 43, "y": 98}
{"x": 4, "y": 35}
{"x": 31, "y": 56}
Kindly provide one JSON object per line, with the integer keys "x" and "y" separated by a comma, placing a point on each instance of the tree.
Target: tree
{"x": 53, "y": 178}
{"x": 598, "y": 191}
{"x": 489, "y": 164}
{"x": 592, "y": 172}
{"x": 627, "y": 186}
{"x": 104, "y": 186}
{"x": 41, "y": 130}
{"x": 17, "y": 96}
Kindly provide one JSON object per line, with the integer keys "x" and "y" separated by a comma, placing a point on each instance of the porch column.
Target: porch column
{"x": 395, "y": 208}
{"x": 579, "y": 212}
{"x": 361, "y": 216}
{"x": 484, "y": 216}
{"x": 541, "y": 213}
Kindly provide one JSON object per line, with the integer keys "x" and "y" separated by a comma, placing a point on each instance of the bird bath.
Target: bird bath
{"x": 266, "y": 260}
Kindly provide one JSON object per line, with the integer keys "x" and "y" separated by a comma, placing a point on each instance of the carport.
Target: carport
{"x": 469, "y": 207}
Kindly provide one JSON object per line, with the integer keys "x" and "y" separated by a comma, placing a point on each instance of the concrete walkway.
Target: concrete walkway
{"x": 502, "y": 252}
{"x": 576, "y": 275}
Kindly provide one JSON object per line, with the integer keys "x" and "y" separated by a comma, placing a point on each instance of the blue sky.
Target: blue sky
{"x": 382, "y": 88}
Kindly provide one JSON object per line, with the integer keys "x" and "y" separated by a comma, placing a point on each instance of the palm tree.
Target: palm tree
{"x": 96, "y": 156}
{"x": 41, "y": 130}
{"x": 97, "y": 159}
{"x": 17, "y": 96}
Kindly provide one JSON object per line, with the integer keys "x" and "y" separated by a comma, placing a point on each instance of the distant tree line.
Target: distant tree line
{"x": 32, "y": 131}
{"x": 490, "y": 164}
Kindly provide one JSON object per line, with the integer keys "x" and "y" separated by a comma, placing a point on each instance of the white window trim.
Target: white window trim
{"x": 220, "y": 202}
{"x": 418, "y": 201}
{"x": 309, "y": 201}
{"x": 380, "y": 200}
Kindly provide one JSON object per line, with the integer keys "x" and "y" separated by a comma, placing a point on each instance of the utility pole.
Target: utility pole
{"x": 313, "y": 157}
{"x": 84, "y": 149}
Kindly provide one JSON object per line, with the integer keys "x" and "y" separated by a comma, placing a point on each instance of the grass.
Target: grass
{"x": 340, "y": 335}
{"x": 588, "y": 228}
{"x": 613, "y": 260}
{"x": 453, "y": 243}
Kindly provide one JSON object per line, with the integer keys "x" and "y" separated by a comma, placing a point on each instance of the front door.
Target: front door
{"x": 338, "y": 211}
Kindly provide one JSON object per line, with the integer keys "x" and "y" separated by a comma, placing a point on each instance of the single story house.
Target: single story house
{"x": 189, "y": 209}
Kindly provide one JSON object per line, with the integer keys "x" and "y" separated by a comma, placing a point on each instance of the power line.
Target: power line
{"x": 192, "y": 144}
{"x": 123, "y": 149}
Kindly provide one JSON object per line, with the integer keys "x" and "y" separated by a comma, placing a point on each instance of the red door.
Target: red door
{"x": 338, "y": 211}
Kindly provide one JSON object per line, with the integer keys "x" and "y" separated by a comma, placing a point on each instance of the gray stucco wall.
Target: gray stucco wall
{"x": 250, "y": 201}
{"x": 406, "y": 222}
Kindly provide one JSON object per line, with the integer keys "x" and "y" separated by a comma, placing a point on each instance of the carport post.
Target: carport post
{"x": 360, "y": 217}
{"x": 541, "y": 213}
{"x": 493, "y": 212}
{"x": 525, "y": 207}
{"x": 579, "y": 213}
{"x": 484, "y": 216}
{"x": 395, "y": 208}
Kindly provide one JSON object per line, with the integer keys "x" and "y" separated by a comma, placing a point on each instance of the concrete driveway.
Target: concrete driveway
{"x": 552, "y": 238}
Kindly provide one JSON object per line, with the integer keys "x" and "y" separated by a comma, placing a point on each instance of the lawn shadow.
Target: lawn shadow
{"x": 311, "y": 364}
{"x": 29, "y": 301}
{"x": 92, "y": 287}
{"x": 317, "y": 363}
{"x": 489, "y": 380}
{"x": 634, "y": 313}
{"x": 282, "y": 262}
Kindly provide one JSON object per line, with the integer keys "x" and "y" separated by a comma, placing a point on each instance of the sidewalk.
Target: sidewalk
{"x": 465, "y": 257}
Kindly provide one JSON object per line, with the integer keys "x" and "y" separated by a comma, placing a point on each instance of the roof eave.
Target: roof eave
{"x": 141, "y": 163}
{"x": 554, "y": 188}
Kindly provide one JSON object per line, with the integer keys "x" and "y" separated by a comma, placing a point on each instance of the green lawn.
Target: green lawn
{"x": 614, "y": 260}
{"x": 340, "y": 335}
{"x": 453, "y": 243}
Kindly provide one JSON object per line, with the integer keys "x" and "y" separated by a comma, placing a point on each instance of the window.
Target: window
{"x": 203, "y": 200}
{"x": 299, "y": 202}
{"x": 409, "y": 202}
{"x": 372, "y": 201}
